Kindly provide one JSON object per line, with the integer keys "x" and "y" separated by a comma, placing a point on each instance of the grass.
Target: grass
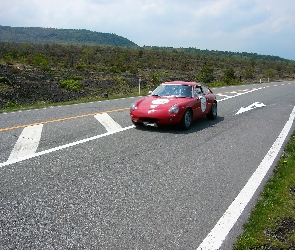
{"x": 272, "y": 222}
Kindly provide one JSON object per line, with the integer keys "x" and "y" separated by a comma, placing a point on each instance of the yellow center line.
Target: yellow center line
{"x": 62, "y": 119}
{"x": 86, "y": 115}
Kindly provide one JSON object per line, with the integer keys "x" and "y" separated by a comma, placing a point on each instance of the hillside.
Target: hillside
{"x": 50, "y": 73}
{"x": 63, "y": 36}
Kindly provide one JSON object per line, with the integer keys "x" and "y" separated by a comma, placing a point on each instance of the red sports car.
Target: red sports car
{"x": 174, "y": 103}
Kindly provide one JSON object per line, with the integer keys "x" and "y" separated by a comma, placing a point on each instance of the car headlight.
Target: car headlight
{"x": 174, "y": 109}
{"x": 133, "y": 106}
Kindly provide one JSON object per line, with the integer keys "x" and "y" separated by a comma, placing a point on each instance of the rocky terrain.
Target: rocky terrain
{"x": 24, "y": 85}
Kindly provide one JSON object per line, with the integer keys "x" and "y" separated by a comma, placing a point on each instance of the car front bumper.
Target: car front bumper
{"x": 156, "y": 117}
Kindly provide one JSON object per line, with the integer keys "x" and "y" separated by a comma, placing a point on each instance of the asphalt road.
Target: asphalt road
{"x": 91, "y": 180}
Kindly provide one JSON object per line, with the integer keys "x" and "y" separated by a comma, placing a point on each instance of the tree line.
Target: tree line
{"x": 135, "y": 60}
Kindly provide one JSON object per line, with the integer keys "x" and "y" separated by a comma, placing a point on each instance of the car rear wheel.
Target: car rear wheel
{"x": 186, "y": 120}
{"x": 213, "y": 111}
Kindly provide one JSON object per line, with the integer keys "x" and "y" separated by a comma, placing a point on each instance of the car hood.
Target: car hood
{"x": 160, "y": 102}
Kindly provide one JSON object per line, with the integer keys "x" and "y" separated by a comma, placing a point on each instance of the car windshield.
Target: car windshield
{"x": 173, "y": 90}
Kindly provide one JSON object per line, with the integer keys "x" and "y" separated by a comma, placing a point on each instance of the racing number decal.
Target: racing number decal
{"x": 155, "y": 104}
{"x": 160, "y": 101}
{"x": 203, "y": 103}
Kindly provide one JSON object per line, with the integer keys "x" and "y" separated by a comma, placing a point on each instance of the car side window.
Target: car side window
{"x": 206, "y": 90}
{"x": 198, "y": 91}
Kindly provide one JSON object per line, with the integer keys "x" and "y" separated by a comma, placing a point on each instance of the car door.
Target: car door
{"x": 199, "y": 106}
{"x": 209, "y": 97}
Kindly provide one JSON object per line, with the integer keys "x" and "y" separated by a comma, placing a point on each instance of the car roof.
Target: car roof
{"x": 182, "y": 83}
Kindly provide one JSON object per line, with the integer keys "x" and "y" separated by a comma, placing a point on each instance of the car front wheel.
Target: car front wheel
{"x": 137, "y": 124}
{"x": 186, "y": 120}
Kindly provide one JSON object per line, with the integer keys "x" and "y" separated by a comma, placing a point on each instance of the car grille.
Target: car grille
{"x": 148, "y": 119}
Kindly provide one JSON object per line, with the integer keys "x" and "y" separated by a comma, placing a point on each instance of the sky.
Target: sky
{"x": 265, "y": 27}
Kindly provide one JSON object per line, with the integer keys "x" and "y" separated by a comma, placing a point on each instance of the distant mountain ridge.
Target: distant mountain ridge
{"x": 65, "y": 36}
{"x": 39, "y": 35}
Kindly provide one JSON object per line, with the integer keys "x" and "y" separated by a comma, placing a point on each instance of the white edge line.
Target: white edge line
{"x": 218, "y": 234}
{"x": 63, "y": 146}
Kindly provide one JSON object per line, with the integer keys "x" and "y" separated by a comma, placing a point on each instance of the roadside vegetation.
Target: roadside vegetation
{"x": 33, "y": 74}
{"x": 272, "y": 221}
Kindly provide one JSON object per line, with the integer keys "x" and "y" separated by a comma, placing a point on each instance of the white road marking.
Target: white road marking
{"x": 252, "y": 106}
{"x": 107, "y": 122}
{"x": 238, "y": 94}
{"x": 218, "y": 234}
{"x": 9, "y": 162}
{"x": 27, "y": 142}
{"x": 222, "y": 95}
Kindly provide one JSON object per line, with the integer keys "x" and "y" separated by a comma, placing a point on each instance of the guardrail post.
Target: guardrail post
{"x": 139, "y": 80}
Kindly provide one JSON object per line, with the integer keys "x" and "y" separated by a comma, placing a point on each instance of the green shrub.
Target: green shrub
{"x": 216, "y": 84}
{"x": 11, "y": 105}
{"x": 206, "y": 74}
{"x": 71, "y": 85}
{"x": 40, "y": 60}
{"x": 81, "y": 67}
{"x": 8, "y": 59}
{"x": 76, "y": 77}
{"x": 229, "y": 76}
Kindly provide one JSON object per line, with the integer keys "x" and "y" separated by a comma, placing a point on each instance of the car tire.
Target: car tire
{"x": 186, "y": 120}
{"x": 213, "y": 111}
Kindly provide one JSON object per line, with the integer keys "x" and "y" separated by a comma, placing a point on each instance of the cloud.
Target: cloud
{"x": 261, "y": 26}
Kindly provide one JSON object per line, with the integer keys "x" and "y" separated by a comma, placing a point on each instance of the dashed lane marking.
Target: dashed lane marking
{"x": 61, "y": 119}
{"x": 9, "y": 162}
{"x": 107, "y": 122}
{"x": 27, "y": 142}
